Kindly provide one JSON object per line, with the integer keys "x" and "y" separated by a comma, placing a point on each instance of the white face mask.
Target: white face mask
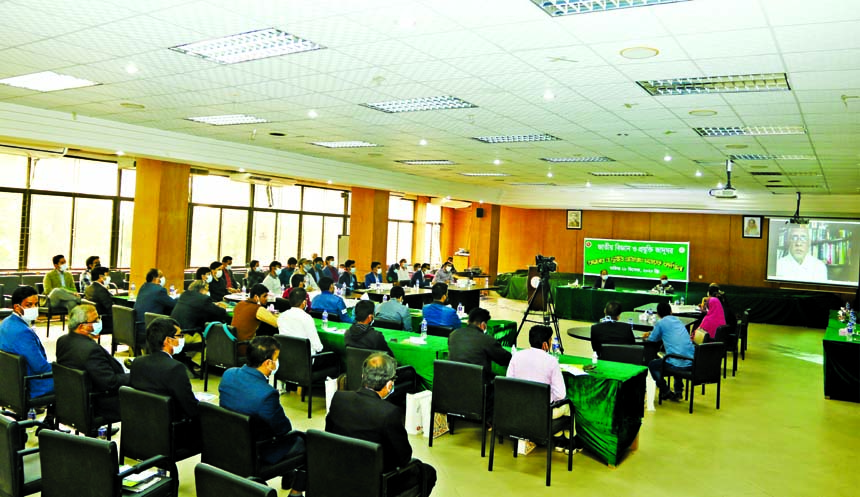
{"x": 228, "y": 267}
{"x": 178, "y": 348}
{"x": 163, "y": 280}
{"x": 260, "y": 270}
{"x": 64, "y": 267}
{"x": 30, "y": 314}
{"x": 378, "y": 271}
{"x": 604, "y": 277}
{"x": 278, "y": 272}
{"x": 277, "y": 365}
{"x": 218, "y": 273}
{"x": 208, "y": 278}
{"x": 107, "y": 280}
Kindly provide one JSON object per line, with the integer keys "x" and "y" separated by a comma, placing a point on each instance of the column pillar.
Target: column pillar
{"x": 160, "y": 227}
{"x": 419, "y": 232}
{"x": 368, "y": 228}
{"x": 484, "y": 238}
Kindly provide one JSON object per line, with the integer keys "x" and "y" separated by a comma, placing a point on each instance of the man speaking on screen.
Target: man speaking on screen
{"x": 798, "y": 264}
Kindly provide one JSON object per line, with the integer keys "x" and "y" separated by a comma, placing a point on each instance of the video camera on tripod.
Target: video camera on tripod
{"x": 545, "y": 310}
{"x": 545, "y": 265}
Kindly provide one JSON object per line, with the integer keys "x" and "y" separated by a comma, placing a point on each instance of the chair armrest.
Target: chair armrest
{"x": 28, "y": 452}
{"x": 414, "y": 463}
{"x": 149, "y": 463}
{"x": 323, "y": 354}
{"x": 559, "y": 403}
{"x": 39, "y": 376}
{"x": 274, "y": 438}
{"x": 677, "y": 356}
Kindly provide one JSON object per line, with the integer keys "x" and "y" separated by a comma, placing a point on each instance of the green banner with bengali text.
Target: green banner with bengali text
{"x": 637, "y": 258}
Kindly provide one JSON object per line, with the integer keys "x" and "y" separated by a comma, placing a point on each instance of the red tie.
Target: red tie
{"x": 229, "y": 282}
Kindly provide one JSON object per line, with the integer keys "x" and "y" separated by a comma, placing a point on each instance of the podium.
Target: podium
{"x": 539, "y": 303}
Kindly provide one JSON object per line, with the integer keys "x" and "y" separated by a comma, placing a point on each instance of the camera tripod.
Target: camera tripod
{"x": 547, "y": 315}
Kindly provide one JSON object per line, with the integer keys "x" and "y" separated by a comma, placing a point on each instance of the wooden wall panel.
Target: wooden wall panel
{"x": 631, "y": 226}
{"x": 447, "y": 236}
{"x": 368, "y": 239}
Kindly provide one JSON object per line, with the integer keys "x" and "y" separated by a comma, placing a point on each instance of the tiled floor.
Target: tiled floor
{"x": 775, "y": 435}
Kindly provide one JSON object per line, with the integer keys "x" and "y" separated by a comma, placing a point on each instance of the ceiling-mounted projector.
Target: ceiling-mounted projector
{"x": 728, "y": 191}
{"x": 796, "y": 219}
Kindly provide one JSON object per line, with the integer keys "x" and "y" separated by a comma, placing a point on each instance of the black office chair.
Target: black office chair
{"x": 19, "y": 467}
{"x": 628, "y": 354}
{"x": 281, "y": 304}
{"x": 50, "y": 311}
{"x": 124, "y": 329}
{"x": 75, "y": 399}
{"x": 388, "y": 325}
{"x": 229, "y": 444}
{"x": 407, "y": 379}
{"x": 439, "y": 331}
{"x": 341, "y": 466}
{"x": 213, "y": 482}
{"x": 707, "y": 360}
{"x": 300, "y": 367}
{"x": 151, "y": 427}
{"x": 522, "y": 410}
{"x": 149, "y": 317}
{"x": 743, "y": 332}
{"x": 727, "y": 335}
{"x": 74, "y": 465}
{"x": 459, "y": 391}
{"x": 15, "y": 387}
{"x": 317, "y": 314}
{"x": 221, "y": 350}
{"x": 5, "y": 312}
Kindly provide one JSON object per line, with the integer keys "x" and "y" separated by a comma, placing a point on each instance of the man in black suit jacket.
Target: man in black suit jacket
{"x": 610, "y": 330}
{"x": 218, "y": 285}
{"x": 79, "y": 350}
{"x": 152, "y": 297}
{"x": 604, "y": 282}
{"x": 194, "y": 308}
{"x": 364, "y": 414}
{"x": 230, "y": 282}
{"x": 98, "y": 294}
{"x": 471, "y": 344}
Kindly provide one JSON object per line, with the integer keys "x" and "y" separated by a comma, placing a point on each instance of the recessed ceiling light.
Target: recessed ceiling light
{"x": 227, "y": 120}
{"x": 47, "y": 81}
{"x": 771, "y": 157}
{"x": 132, "y": 105}
{"x": 750, "y": 130}
{"x": 485, "y": 174}
{"x": 667, "y": 158}
{"x": 131, "y": 68}
{"x": 120, "y": 153}
{"x": 570, "y": 7}
{"x": 497, "y": 162}
{"x": 428, "y": 162}
{"x": 588, "y": 184}
{"x": 716, "y": 84}
{"x": 277, "y": 133}
{"x": 442, "y": 102}
{"x": 636, "y": 53}
{"x": 313, "y": 114}
{"x": 719, "y": 185}
{"x": 577, "y": 159}
{"x": 542, "y": 137}
{"x": 703, "y": 113}
{"x": 548, "y": 95}
{"x": 253, "y": 45}
{"x": 422, "y": 142}
{"x": 627, "y": 173}
{"x": 549, "y": 174}
{"x": 328, "y": 182}
{"x": 345, "y": 144}
{"x": 698, "y": 174}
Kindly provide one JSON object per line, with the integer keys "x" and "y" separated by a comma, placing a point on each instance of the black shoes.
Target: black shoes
{"x": 673, "y": 396}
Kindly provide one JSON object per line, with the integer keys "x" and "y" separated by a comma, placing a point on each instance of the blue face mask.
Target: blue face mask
{"x": 97, "y": 328}
{"x": 664, "y": 282}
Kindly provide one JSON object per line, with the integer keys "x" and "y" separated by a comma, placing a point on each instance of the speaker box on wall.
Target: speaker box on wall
{"x": 479, "y": 212}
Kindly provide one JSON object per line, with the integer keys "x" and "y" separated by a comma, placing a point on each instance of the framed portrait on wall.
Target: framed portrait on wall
{"x": 752, "y": 227}
{"x": 574, "y": 220}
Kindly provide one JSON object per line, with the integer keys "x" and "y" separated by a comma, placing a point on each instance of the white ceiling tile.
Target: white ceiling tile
{"x": 446, "y": 45}
{"x": 823, "y": 61}
{"x": 662, "y": 70}
{"x": 782, "y": 12}
{"x": 826, "y": 80}
{"x": 815, "y": 37}
{"x": 740, "y": 43}
{"x": 532, "y": 35}
{"x": 703, "y": 16}
{"x": 385, "y": 53}
{"x": 752, "y": 64}
{"x": 208, "y": 20}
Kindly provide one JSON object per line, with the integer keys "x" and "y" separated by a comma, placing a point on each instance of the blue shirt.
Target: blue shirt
{"x": 396, "y": 312}
{"x": 16, "y": 337}
{"x": 334, "y": 305}
{"x": 438, "y": 314}
{"x": 676, "y": 340}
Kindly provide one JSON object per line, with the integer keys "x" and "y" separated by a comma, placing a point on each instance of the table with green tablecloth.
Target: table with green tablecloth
{"x": 841, "y": 363}
{"x": 586, "y": 304}
{"x": 608, "y": 405}
{"x": 503, "y": 330}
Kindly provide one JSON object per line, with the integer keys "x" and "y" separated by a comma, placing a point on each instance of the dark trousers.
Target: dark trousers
{"x": 656, "y": 367}
{"x": 423, "y": 474}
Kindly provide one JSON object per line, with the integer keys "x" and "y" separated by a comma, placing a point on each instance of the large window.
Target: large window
{"x": 50, "y": 229}
{"x": 92, "y": 230}
{"x": 401, "y": 213}
{"x": 10, "y": 229}
{"x": 433, "y": 235}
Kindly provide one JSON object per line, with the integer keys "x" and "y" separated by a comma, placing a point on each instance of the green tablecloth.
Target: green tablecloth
{"x": 587, "y": 304}
{"x": 841, "y": 363}
{"x": 503, "y": 330}
{"x": 608, "y": 405}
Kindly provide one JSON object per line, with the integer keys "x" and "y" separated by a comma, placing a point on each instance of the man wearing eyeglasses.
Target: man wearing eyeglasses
{"x": 798, "y": 264}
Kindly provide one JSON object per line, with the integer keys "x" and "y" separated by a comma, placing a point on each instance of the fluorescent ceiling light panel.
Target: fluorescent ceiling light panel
{"x": 577, "y": 159}
{"x": 750, "y": 131}
{"x": 47, "y": 81}
{"x": 485, "y": 174}
{"x": 717, "y": 84}
{"x": 443, "y": 102}
{"x": 652, "y": 186}
{"x": 427, "y": 162}
{"x": 228, "y": 119}
{"x": 628, "y": 173}
{"x": 542, "y": 137}
{"x": 771, "y": 157}
{"x": 345, "y": 144}
{"x": 570, "y": 7}
{"x": 253, "y": 45}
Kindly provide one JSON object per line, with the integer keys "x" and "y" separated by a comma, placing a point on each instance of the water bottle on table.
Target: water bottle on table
{"x": 424, "y": 329}
{"x": 630, "y": 322}
{"x": 102, "y": 433}
{"x": 556, "y": 347}
{"x": 460, "y": 308}
{"x": 682, "y": 300}
{"x": 325, "y": 319}
{"x": 385, "y": 298}
{"x": 172, "y": 290}
{"x": 131, "y": 292}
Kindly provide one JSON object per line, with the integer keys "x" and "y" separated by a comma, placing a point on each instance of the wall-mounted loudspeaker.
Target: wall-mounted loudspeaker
{"x": 479, "y": 212}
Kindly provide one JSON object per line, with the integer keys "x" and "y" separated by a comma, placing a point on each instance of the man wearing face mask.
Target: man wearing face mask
{"x": 60, "y": 285}
{"x": 604, "y": 282}
{"x": 246, "y": 390}
{"x": 331, "y": 303}
{"x": 347, "y": 280}
{"x": 218, "y": 284}
{"x": 99, "y": 294}
{"x": 287, "y": 272}
{"x": 374, "y": 276}
{"x": 663, "y": 286}
{"x": 78, "y": 349}
{"x": 229, "y": 280}
{"x": 402, "y": 271}
{"x": 255, "y": 274}
{"x": 152, "y": 297}
{"x": 364, "y": 415}
{"x": 318, "y": 270}
{"x": 86, "y": 277}
{"x": 394, "y": 310}
{"x": 17, "y": 337}
{"x": 249, "y": 315}
{"x": 331, "y": 268}
{"x": 445, "y": 275}
{"x": 272, "y": 280}
{"x": 471, "y": 344}
{"x": 192, "y": 311}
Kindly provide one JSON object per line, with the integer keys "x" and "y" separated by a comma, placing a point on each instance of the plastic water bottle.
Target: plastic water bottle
{"x": 594, "y": 359}
{"x": 245, "y": 290}
{"x": 460, "y": 308}
{"x": 131, "y": 292}
{"x": 325, "y": 319}
{"x": 385, "y": 298}
{"x": 31, "y": 431}
{"x": 424, "y": 329}
{"x": 556, "y": 347}
{"x": 282, "y": 289}
{"x": 682, "y": 300}
{"x": 630, "y": 322}
{"x": 172, "y": 290}
{"x": 102, "y": 433}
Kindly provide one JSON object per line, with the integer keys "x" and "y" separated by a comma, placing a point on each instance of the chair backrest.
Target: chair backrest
{"x": 282, "y": 304}
{"x": 629, "y": 354}
{"x": 651, "y": 351}
{"x": 522, "y": 409}
{"x": 228, "y": 442}
{"x": 708, "y": 362}
{"x": 81, "y": 466}
{"x": 213, "y": 482}
{"x": 221, "y": 350}
{"x": 146, "y": 424}
{"x": 354, "y": 360}
{"x": 458, "y": 389}
{"x": 317, "y": 314}
{"x": 123, "y": 326}
{"x": 294, "y": 360}
{"x": 358, "y": 466}
{"x": 388, "y": 325}
{"x": 40, "y": 287}
{"x": 13, "y": 393}
{"x": 11, "y": 462}
{"x": 152, "y": 316}
{"x": 725, "y": 334}
{"x": 439, "y": 331}
{"x": 72, "y": 390}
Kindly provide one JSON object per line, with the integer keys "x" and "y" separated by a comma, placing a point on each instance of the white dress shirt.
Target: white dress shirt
{"x": 295, "y": 322}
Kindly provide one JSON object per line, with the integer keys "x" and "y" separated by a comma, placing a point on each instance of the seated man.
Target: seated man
{"x": 604, "y": 282}
{"x": 272, "y": 280}
{"x": 250, "y": 314}
{"x": 247, "y": 390}
{"x": 158, "y": 373}
{"x": 78, "y": 349}
{"x": 472, "y": 345}
{"x": 374, "y": 276}
{"x": 609, "y": 330}
{"x": 99, "y": 294}
{"x": 331, "y": 303}
{"x": 86, "y": 277}
{"x": 663, "y": 286}
{"x": 296, "y": 322}
{"x": 60, "y": 285}
{"x": 17, "y": 337}
{"x": 229, "y": 280}
{"x": 439, "y": 313}
{"x": 445, "y": 274}
{"x": 331, "y": 268}
{"x": 298, "y": 281}
{"x": 255, "y": 274}
{"x": 676, "y": 340}
{"x": 361, "y": 334}
{"x": 288, "y": 272}
{"x": 394, "y": 310}
{"x": 535, "y": 364}
{"x": 217, "y": 285}
{"x": 152, "y": 297}
{"x": 318, "y": 269}
{"x": 363, "y": 414}
{"x": 347, "y": 279}
{"x": 193, "y": 310}
{"x": 418, "y": 279}
{"x": 402, "y": 271}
